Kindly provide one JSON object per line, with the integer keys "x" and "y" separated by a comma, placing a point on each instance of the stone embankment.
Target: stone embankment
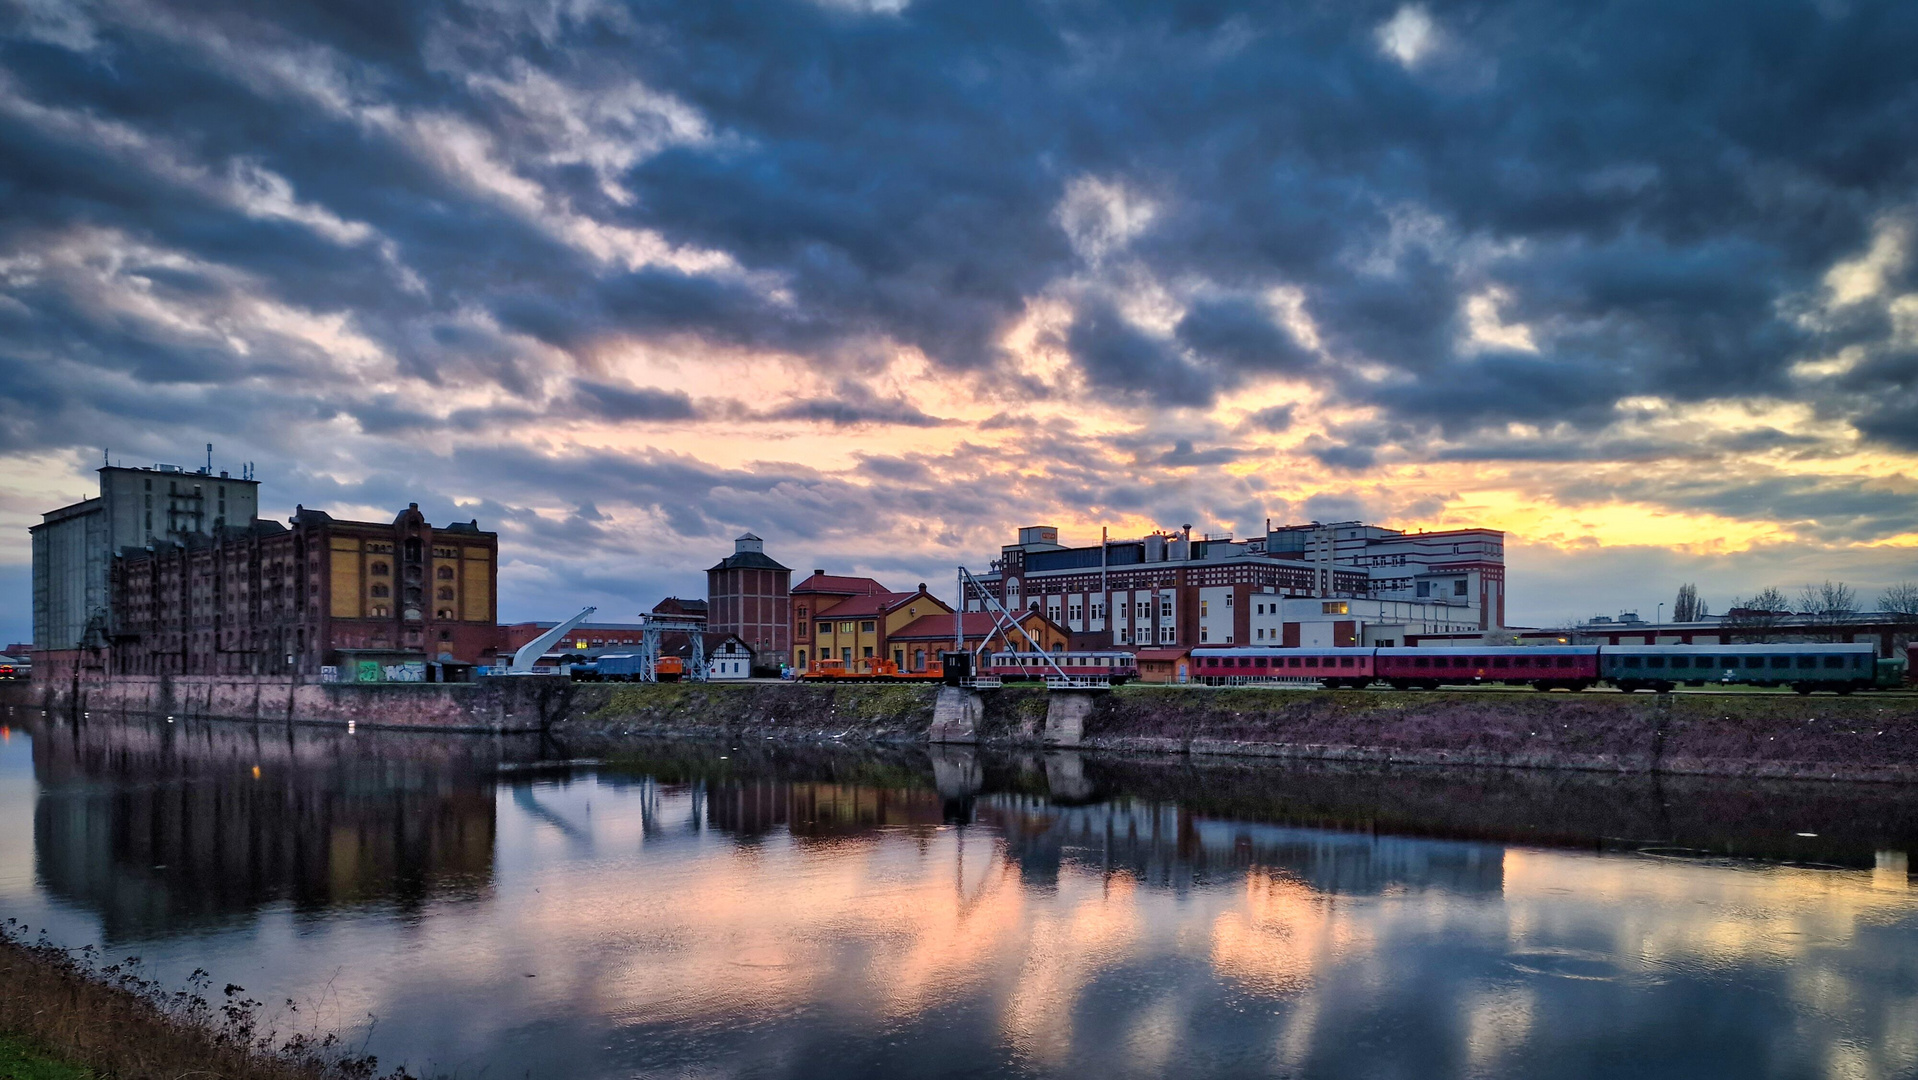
{"x": 1862, "y": 737}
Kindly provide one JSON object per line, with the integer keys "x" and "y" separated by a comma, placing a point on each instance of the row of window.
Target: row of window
{"x": 825, "y": 628}
{"x": 1728, "y": 662}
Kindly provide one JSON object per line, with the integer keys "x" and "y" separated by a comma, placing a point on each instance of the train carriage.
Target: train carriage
{"x": 1803, "y": 667}
{"x": 1334, "y": 668}
{"x": 1546, "y": 667}
{"x": 1116, "y": 667}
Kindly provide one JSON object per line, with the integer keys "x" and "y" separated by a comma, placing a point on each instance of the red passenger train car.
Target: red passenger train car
{"x": 1333, "y": 667}
{"x": 1548, "y": 667}
{"x": 1117, "y": 667}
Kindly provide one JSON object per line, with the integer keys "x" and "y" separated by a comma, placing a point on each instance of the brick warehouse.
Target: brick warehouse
{"x": 266, "y": 599}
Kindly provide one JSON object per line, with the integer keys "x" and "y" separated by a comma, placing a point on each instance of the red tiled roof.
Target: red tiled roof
{"x": 938, "y": 627}
{"x": 860, "y": 606}
{"x": 843, "y": 586}
{"x": 1160, "y": 654}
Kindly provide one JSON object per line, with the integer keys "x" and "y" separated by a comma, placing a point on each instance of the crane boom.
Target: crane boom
{"x": 530, "y": 652}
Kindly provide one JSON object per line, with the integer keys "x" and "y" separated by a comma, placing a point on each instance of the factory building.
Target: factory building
{"x": 73, "y": 547}
{"x": 1170, "y": 589}
{"x": 372, "y": 601}
{"x": 748, "y": 593}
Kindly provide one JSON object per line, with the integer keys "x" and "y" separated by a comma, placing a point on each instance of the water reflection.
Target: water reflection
{"x": 767, "y": 911}
{"x": 163, "y": 828}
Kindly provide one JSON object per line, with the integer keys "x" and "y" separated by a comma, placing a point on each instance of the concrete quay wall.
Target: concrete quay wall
{"x": 1862, "y": 737}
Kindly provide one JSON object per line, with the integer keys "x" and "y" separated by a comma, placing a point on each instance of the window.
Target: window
{"x": 1654, "y": 661}
{"x": 443, "y": 613}
{"x": 1202, "y": 608}
{"x": 867, "y": 626}
{"x": 1425, "y": 588}
{"x": 1633, "y": 661}
{"x": 1807, "y": 662}
{"x": 444, "y": 573}
{"x": 866, "y": 652}
{"x": 1834, "y": 661}
{"x": 1165, "y": 608}
{"x": 1781, "y": 661}
{"x": 846, "y": 628}
{"x": 1228, "y": 601}
{"x": 1421, "y": 661}
{"x": 382, "y": 590}
{"x": 802, "y": 629}
{"x": 1686, "y": 661}
{"x": 1335, "y": 607}
{"x": 1458, "y": 587}
{"x": 825, "y": 629}
{"x": 445, "y": 593}
{"x": 1348, "y": 661}
{"x": 1500, "y": 661}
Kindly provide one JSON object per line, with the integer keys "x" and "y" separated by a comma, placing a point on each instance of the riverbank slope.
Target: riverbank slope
{"x": 1862, "y": 737}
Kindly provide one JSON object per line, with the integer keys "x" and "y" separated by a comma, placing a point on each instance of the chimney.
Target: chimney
{"x": 819, "y": 573}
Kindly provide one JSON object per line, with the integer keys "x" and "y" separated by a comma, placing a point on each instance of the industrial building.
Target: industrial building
{"x": 373, "y": 601}
{"x": 1170, "y": 589}
{"x": 73, "y": 547}
{"x": 748, "y": 593}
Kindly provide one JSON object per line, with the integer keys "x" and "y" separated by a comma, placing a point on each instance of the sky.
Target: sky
{"x": 883, "y": 280}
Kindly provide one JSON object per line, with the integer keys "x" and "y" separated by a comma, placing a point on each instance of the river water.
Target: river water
{"x": 493, "y": 908}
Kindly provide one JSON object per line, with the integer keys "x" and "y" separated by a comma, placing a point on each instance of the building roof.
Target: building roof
{"x": 938, "y": 627}
{"x": 683, "y": 604}
{"x": 835, "y": 585}
{"x": 1162, "y": 655}
{"x": 748, "y": 560}
{"x": 876, "y": 604}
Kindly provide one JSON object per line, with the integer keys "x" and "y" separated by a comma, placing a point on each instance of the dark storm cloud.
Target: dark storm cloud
{"x": 499, "y": 197}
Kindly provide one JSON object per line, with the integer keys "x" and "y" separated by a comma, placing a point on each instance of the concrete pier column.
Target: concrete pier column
{"x": 956, "y": 714}
{"x": 1066, "y": 777}
{"x": 956, "y": 772}
{"x": 1066, "y": 712}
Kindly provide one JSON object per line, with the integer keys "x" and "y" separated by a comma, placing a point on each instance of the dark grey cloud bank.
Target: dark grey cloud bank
{"x": 1657, "y": 192}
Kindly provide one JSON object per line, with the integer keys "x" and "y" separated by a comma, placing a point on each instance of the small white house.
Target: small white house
{"x": 729, "y": 659}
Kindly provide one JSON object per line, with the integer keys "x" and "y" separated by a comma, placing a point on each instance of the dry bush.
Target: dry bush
{"x": 116, "y": 1021}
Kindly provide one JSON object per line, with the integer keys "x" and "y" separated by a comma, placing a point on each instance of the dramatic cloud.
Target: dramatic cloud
{"x": 883, "y": 279}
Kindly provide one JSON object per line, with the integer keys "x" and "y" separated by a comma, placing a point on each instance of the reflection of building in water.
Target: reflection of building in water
{"x": 1161, "y": 844}
{"x": 161, "y": 827}
{"x": 753, "y": 808}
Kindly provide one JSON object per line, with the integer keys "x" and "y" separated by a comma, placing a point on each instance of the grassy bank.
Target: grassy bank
{"x": 67, "y": 1016}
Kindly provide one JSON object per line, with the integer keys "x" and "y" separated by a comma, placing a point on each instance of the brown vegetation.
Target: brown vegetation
{"x": 112, "y": 1019}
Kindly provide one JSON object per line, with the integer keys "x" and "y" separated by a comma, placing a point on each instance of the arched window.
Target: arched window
{"x": 412, "y": 549}
{"x": 443, "y": 613}
{"x": 446, "y": 592}
{"x": 381, "y": 590}
{"x": 444, "y": 573}
{"x": 379, "y": 569}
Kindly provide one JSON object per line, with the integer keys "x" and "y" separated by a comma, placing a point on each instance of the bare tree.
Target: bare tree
{"x": 1827, "y": 604}
{"x": 1686, "y": 608}
{"x": 1901, "y": 600}
{"x": 1756, "y": 618}
{"x": 1829, "y": 599}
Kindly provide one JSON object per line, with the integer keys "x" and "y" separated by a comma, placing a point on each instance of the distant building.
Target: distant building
{"x": 674, "y": 607}
{"x": 265, "y": 599}
{"x": 850, "y": 618}
{"x": 584, "y": 638}
{"x": 73, "y": 547}
{"x": 922, "y": 640}
{"x": 747, "y": 593}
{"x": 1169, "y": 665}
{"x": 1168, "y": 589}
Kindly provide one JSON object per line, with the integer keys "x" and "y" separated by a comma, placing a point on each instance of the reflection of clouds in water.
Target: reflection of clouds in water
{"x": 1281, "y": 934}
{"x": 737, "y": 925}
